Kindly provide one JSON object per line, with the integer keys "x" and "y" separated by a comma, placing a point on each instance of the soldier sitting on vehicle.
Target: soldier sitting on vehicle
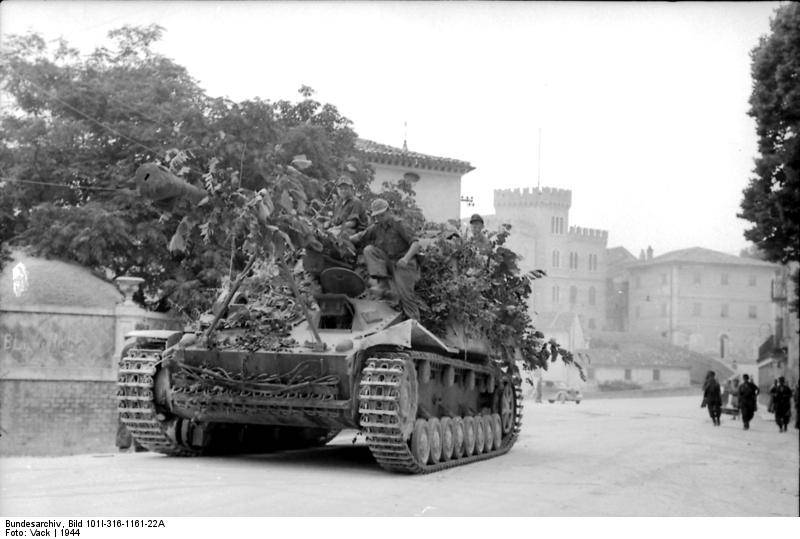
{"x": 390, "y": 255}
{"x": 349, "y": 217}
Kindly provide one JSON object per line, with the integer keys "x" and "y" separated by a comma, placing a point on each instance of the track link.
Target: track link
{"x": 380, "y": 410}
{"x": 137, "y": 407}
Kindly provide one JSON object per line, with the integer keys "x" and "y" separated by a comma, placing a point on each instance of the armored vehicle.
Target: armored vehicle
{"x": 423, "y": 402}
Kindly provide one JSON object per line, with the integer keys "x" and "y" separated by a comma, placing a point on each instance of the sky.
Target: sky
{"x": 642, "y": 107}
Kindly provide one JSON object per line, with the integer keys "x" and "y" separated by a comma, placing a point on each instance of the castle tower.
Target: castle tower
{"x": 574, "y": 258}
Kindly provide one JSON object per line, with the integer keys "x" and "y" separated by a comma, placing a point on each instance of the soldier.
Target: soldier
{"x": 349, "y": 213}
{"x": 712, "y": 397}
{"x": 748, "y": 392}
{"x": 476, "y": 232}
{"x": 390, "y": 254}
{"x": 349, "y": 217}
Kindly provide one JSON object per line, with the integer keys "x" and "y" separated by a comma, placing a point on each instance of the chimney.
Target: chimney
{"x": 649, "y": 253}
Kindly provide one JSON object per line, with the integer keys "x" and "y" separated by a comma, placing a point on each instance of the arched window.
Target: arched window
{"x": 592, "y": 294}
{"x": 573, "y": 294}
{"x": 555, "y": 259}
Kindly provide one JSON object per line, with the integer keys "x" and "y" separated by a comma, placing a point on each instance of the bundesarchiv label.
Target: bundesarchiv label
{"x": 72, "y": 528}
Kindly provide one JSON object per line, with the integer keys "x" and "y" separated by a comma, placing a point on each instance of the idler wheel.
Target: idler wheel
{"x": 458, "y": 437}
{"x": 469, "y": 435}
{"x": 507, "y": 408}
{"x": 420, "y": 445}
{"x": 448, "y": 439}
{"x": 435, "y": 439}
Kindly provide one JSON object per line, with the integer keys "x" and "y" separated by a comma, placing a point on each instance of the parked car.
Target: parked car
{"x": 559, "y": 392}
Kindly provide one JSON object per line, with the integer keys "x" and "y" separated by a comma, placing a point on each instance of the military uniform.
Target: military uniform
{"x": 350, "y": 214}
{"x": 386, "y": 243}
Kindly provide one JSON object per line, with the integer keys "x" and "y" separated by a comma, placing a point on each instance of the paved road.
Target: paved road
{"x": 618, "y": 457}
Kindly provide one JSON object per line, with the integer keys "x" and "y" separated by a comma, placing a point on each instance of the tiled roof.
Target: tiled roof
{"x": 701, "y": 255}
{"x": 389, "y": 155}
{"x": 630, "y": 350}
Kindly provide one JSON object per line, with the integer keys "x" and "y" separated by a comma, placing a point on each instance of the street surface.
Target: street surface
{"x": 610, "y": 457}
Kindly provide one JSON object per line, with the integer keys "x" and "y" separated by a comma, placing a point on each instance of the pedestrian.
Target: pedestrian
{"x": 390, "y": 253}
{"x": 782, "y": 404}
{"x": 735, "y": 395}
{"x": 748, "y": 393}
{"x": 712, "y": 398}
{"x": 771, "y": 406}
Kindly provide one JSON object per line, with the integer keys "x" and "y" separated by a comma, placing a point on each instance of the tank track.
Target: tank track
{"x": 379, "y": 403}
{"x": 137, "y": 407}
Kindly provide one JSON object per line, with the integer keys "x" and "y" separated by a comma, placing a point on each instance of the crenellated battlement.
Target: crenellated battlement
{"x": 591, "y": 234}
{"x": 545, "y": 196}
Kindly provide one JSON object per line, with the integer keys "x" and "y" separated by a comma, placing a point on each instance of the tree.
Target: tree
{"x": 772, "y": 199}
{"x": 78, "y": 127}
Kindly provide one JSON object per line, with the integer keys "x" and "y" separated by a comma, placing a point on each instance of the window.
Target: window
{"x": 751, "y": 281}
{"x": 592, "y": 325}
{"x": 752, "y": 312}
{"x": 592, "y": 262}
{"x": 573, "y": 260}
{"x": 663, "y": 278}
{"x": 724, "y": 279}
{"x": 553, "y": 225}
{"x": 656, "y": 375}
{"x": 592, "y": 295}
{"x": 573, "y": 294}
{"x": 560, "y": 225}
{"x": 627, "y": 374}
{"x": 556, "y": 258}
{"x": 663, "y": 309}
{"x": 723, "y": 312}
{"x": 697, "y": 279}
{"x": 556, "y": 225}
{"x": 555, "y": 295}
{"x": 697, "y": 309}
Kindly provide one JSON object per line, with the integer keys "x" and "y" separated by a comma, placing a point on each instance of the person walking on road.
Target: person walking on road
{"x": 782, "y": 404}
{"x": 712, "y": 398}
{"x": 748, "y": 392}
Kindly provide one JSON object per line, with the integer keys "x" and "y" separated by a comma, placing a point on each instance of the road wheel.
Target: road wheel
{"x": 435, "y": 439}
{"x": 497, "y": 431}
{"x": 480, "y": 436}
{"x": 469, "y": 436}
{"x": 420, "y": 445}
{"x": 562, "y": 398}
{"x": 448, "y": 439}
{"x": 487, "y": 433}
{"x": 458, "y": 437}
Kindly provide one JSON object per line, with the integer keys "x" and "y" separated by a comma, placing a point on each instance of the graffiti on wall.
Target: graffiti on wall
{"x": 56, "y": 341}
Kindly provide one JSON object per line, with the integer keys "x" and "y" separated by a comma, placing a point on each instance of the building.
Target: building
{"x": 625, "y": 360}
{"x": 61, "y": 333}
{"x": 573, "y": 257}
{"x": 779, "y": 354}
{"x": 617, "y": 261}
{"x": 707, "y": 301}
{"x": 438, "y": 185}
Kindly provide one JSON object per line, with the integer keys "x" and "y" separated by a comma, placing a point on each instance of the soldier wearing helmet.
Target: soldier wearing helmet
{"x": 390, "y": 253}
{"x": 349, "y": 212}
{"x": 476, "y": 233}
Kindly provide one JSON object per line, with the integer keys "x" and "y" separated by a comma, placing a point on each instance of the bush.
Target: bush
{"x": 618, "y": 385}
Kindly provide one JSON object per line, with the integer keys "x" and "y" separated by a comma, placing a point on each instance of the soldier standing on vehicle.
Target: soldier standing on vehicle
{"x": 390, "y": 255}
{"x": 748, "y": 392}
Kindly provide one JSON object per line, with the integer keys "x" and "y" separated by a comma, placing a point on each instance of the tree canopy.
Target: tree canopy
{"x": 772, "y": 199}
{"x": 256, "y": 184}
